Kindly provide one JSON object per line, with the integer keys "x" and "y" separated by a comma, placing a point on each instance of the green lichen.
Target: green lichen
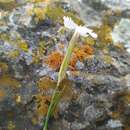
{"x": 18, "y": 42}
{"x": 57, "y": 14}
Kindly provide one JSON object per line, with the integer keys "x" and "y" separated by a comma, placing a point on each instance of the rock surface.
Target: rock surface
{"x": 32, "y": 46}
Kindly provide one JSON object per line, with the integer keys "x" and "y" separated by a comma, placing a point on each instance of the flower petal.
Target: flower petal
{"x": 69, "y": 23}
{"x": 82, "y": 30}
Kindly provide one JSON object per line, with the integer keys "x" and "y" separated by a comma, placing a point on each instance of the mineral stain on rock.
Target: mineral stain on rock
{"x": 95, "y": 95}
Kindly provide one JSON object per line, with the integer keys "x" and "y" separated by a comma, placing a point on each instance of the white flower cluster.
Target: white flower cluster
{"x": 82, "y": 30}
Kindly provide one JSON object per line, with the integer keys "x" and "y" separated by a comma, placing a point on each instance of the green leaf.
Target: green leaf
{"x": 67, "y": 57}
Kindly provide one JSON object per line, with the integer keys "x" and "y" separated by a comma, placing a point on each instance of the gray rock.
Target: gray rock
{"x": 121, "y": 33}
{"x": 114, "y": 124}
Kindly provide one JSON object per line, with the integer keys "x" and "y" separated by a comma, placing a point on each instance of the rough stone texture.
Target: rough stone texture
{"x": 98, "y": 91}
{"x": 121, "y": 34}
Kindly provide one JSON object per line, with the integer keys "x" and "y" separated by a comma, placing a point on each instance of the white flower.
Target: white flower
{"x": 82, "y": 30}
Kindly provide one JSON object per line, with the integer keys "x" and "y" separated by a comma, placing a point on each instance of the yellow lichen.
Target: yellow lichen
{"x": 38, "y": 54}
{"x": 66, "y": 88}
{"x": 43, "y": 98}
{"x": 89, "y": 41}
{"x": 57, "y": 14}
{"x": 127, "y": 98}
{"x": 11, "y": 125}
{"x": 7, "y": 80}
{"x": 107, "y": 59}
{"x": 14, "y": 54}
{"x": 37, "y": 1}
{"x": 23, "y": 45}
{"x": 104, "y": 35}
{"x": 18, "y": 98}
{"x": 126, "y": 128}
{"x": 3, "y": 67}
{"x": 18, "y": 42}
{"x": 43, "y": 102}
{"x": 39, "y": 13}
{"x": 46, "y": 83}
{"x": 8, "y": 4}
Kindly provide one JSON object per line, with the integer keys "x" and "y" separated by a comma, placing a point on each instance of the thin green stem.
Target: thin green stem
{"x": 67, "y": 57}
{"x": 61, "y": 75}
{"x": 50, "y": 108}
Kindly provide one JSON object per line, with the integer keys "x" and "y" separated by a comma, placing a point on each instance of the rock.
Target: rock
{"x": 96, "y": 88}
{"x": 87, "y": 13}
{"x": 114, "y": 124}
{"x": 121, "y": 34}
{"x": 117, "y": 4}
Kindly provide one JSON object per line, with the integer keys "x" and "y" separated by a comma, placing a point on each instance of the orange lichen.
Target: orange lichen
{"x": 2, "y": 95}
{"x": 80, "y": 53}
{"x": 54, "y": 60}
{"x": 115, "y": 115}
